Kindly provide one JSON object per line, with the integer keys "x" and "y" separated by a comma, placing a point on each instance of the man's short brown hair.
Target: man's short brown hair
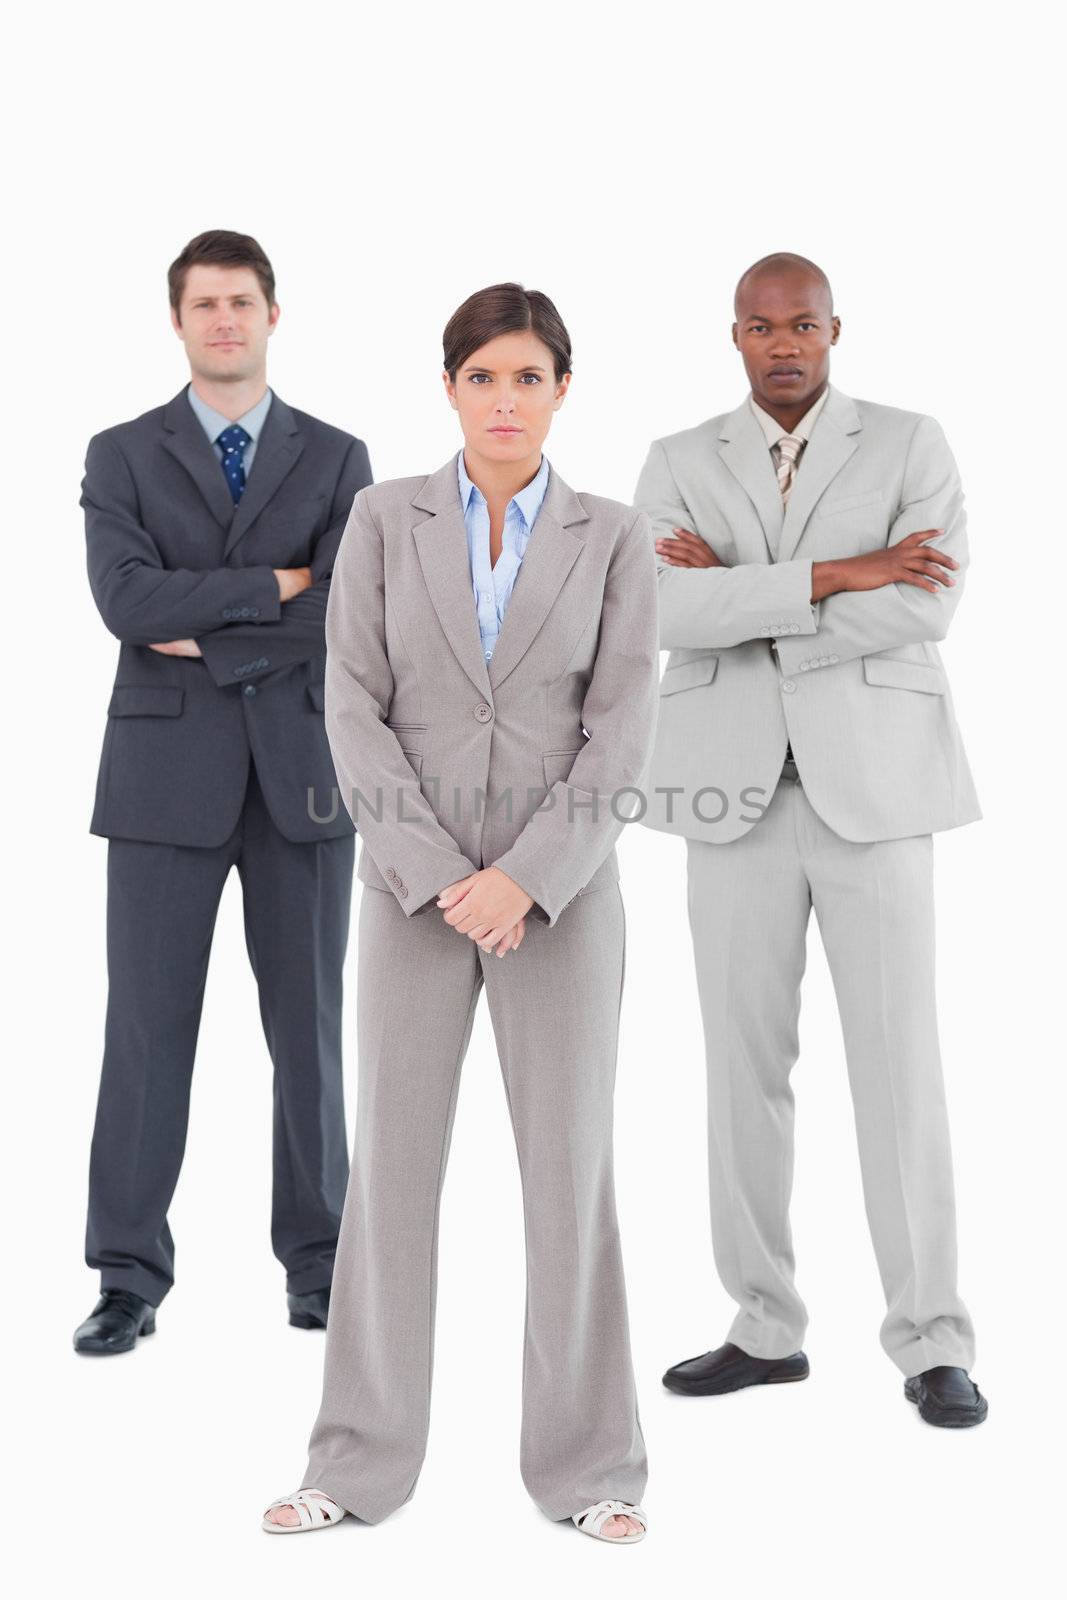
{"x": 220, "y": 248}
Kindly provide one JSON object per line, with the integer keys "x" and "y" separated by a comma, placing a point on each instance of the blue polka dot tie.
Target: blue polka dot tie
{"x": 233, "y": 442}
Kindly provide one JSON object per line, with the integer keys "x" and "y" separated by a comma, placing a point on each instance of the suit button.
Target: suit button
{"x": 250, "y": 689}
{"x": 483, "y": 712}
{"x": 833, "y": 661}
{"x": 794, "y": 627}
{"x": 788, "y": 686}
{"x": 402, "y": 892}
{"x": 804, "y": 665}
{"x": 255, "y": 611}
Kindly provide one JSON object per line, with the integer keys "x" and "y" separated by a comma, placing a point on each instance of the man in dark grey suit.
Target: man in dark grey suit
{"x": 212, "y": 524}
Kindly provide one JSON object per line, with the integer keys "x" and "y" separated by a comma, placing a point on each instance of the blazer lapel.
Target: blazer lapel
{"x": 188, "y": 443}
{"x": 279, "y": 448}
{"x": 550, "y": 554}
{"x": 441, "y": 542}
{"x": 833, "y": 440}
{"x": 746, "y": 454}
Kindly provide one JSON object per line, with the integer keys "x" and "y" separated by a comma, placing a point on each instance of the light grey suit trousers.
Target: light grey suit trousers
{"x": 749, "y": 904}
{"x": 554, "y": 1005}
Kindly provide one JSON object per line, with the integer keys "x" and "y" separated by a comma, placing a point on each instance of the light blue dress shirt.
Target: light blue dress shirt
{"x": 213, "y": 423}
{"x": 493, "y": 585}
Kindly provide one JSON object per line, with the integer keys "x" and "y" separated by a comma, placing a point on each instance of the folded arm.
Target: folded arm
{"x": 242, "y": 652}
{"x": 853, "y": 624}
{"x": 140, "y": 601}
{"x": 716, "y": 607}
{"x": 573, "y": 831}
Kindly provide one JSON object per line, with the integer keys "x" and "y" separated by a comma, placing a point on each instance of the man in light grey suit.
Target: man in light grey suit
{"x": 811, "y": 553}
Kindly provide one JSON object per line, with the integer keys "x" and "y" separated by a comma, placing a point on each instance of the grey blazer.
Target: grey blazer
{"x": 448, "y": 765}
{"x": 171, "y": 557}
{"x": 855, "y": 681}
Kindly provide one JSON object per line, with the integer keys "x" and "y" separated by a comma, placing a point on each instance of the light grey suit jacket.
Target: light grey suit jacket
{"x": 447, "y": 764}
{"x": 855, "y": 681}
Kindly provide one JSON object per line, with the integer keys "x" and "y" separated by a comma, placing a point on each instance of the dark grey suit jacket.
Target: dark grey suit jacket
{"x": 171, "y": 557}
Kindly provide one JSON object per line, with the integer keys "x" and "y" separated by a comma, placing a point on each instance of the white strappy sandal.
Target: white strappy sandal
{"x": 593, "y": 1518}
{"x": 314, "y": 1508}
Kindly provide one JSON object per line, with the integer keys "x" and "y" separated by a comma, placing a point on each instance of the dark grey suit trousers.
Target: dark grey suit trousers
{"x": 161, "y": 908}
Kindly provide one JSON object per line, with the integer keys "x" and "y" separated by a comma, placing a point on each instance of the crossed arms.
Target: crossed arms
{"x": 903, "y": 594}
{"x": 223, "y": 614}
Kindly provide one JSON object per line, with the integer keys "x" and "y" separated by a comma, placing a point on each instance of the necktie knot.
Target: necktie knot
{"x": 233, "y": 442}
{"x": 790, "y": 447}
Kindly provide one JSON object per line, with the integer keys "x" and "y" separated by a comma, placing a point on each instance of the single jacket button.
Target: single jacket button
{"x": 794, "y": 627}
{"x": 250, "y": 689}
{"x": 483, "y": 712}
{"x": 788, "y": 686}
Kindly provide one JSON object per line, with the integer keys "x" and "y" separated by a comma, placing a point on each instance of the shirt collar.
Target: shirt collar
{"x": 773, "y": 431}
{"x": 213, "y": 422}
{"x": 528, "y": 499}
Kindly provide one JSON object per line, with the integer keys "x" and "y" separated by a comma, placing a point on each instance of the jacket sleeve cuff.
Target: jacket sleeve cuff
{"x": 419, "y": 894}
{"x": 796, "y": 612}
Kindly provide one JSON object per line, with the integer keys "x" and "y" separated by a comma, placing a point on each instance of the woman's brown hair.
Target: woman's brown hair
{"x": 505, "y": 308}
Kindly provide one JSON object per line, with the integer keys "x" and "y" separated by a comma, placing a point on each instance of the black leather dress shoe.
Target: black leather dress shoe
{"x": 118, "y": 1320}
{"x": 947, "y": 1398}
{"x": 309, "y": 1310}
{"x": 723, "y": 1370}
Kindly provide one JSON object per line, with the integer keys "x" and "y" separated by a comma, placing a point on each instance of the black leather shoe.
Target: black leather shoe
{"x": 947, "y": 1398}
{"x": 118, "y": 1320}
{"x": 723, "y": 1370}
{"x": 309, "y": 1310}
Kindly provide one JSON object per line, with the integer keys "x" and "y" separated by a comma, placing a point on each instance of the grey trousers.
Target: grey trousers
{"x": 749, "y": 903}
{"x": 554, "y": 1005}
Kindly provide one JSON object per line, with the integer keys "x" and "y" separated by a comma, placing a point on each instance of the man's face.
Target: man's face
{"x": 224, "y": 322}
{"x": 784, "y": 331}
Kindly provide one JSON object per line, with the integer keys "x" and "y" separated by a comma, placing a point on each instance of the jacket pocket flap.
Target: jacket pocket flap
{"x": 146, "y": 700}
{"x": 557, "y": 765}
{"x": 904, "y": 674}
{"x": 317, "y": 695}
{"x": 688, "y": 674}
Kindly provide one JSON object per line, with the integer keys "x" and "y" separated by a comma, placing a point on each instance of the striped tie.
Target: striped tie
{"x": 788, "y": 452}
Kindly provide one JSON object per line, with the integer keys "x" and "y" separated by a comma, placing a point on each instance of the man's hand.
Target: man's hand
{"x": 489, "y": 907}
{"x": 292, "y": 581}
{"x": 687, "y": 549}
{"x": 904, "y": 562}
{"x": 178, "y": 647}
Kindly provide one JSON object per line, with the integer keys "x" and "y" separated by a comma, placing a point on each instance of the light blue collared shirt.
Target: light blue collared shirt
{"x": 493, "y": 585}
{"x": 213, "y": 423}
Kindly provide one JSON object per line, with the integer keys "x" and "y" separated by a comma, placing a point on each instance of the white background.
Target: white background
{"x": 631, "y": 161}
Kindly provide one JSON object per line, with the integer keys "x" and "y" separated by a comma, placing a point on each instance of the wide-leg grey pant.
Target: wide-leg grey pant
{"x": 554, "y": 1005}
{"x": 749, "y": 903}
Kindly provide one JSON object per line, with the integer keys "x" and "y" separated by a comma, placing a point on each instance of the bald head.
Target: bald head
{"x": 783, "y": 264}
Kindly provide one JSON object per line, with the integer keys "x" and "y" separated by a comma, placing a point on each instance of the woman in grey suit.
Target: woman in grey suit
{"x": 491, "y": 688}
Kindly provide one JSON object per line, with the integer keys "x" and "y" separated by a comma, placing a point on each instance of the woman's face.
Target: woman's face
{"x": 505, "y": 394}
